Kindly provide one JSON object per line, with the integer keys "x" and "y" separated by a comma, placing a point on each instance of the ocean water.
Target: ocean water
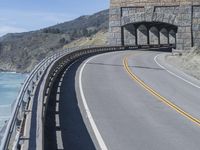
{"x": 10, "y": 84}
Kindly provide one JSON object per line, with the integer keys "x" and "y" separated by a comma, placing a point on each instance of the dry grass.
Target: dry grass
{"x": 188, "y": 62}
{"x": 99, "y": 38}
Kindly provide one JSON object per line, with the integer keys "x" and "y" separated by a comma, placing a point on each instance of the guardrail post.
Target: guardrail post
{"x": 37, "y": 76}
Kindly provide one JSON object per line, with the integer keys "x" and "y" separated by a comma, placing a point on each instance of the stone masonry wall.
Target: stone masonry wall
{"x": 129, "y": 3}
{"x": 185, "y": 14}
{"x": 184, "y": 23}
{"x": 115, "y": 32}
{"x": 196, "y": 25}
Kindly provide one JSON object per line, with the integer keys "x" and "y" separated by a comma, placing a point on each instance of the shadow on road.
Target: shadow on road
{"x": 70, "y": 127}
{"x": 70, "y": 131}
{"x": 115, "y": 65}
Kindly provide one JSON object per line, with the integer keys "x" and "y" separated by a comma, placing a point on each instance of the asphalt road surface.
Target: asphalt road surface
{"x": 122, "y": 101}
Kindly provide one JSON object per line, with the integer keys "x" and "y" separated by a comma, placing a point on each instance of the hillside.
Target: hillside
{"x": 20, "y": 52}
{"x": 188, "y": 62}
{"x": 100, "y": 38}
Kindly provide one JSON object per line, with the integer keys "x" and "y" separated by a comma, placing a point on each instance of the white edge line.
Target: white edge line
{"x": 91, "y": 120}
{"x": 59, "y": 140}
{"x": 155, "y": 59}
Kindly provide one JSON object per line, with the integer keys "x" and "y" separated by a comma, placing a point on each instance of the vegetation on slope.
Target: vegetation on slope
{"x": 20, "y": 52}
{"x": 100, "y": 38}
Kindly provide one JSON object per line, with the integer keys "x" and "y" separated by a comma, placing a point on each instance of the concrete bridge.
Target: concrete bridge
{"x": 123, "y": 96}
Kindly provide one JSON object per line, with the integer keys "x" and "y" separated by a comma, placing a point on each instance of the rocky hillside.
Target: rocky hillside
{"x": 22, "y": 51}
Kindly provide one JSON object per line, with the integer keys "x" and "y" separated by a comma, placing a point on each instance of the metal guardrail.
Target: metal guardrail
{"x": 19, "y": 108}
{"x": 48, "y": 65}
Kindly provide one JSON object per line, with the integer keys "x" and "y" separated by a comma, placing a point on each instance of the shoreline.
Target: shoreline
{"x": 7, "y": 71}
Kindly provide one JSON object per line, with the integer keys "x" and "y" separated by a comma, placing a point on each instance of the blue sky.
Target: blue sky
{"x": 27, "y": 15}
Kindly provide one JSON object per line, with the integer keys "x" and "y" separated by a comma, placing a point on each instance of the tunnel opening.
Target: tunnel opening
{"x": 149, "y": 33}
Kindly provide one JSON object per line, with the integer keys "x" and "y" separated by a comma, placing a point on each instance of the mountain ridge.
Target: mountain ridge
{"x": 20, "y": 52}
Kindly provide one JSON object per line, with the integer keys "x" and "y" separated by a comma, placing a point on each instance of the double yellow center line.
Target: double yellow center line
{"x": 157, "y": 95}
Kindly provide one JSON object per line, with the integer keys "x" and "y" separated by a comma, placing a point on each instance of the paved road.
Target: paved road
{"x": 126, "y": 115}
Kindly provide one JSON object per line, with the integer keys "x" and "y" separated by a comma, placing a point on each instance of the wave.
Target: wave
{"x": 8, "y": 72}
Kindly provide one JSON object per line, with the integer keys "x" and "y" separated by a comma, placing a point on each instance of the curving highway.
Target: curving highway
{"x": 122, "y": 100}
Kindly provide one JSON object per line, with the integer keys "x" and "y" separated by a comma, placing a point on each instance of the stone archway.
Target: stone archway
{"x": 149, "y": 33}
{"x": 164, "y": 37}
{"x": 142, "y": 35}
{"x": 129, "y": 35}
{"x": 184, "y": 16}
{"x": 172, "y": 37}
{"x": 154, "y": 36}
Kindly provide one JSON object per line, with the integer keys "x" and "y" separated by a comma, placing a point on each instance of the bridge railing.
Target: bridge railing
{"x": 16, "y": 122}
{"x": 20, "y": 106}
{"x": 47, "y": 70}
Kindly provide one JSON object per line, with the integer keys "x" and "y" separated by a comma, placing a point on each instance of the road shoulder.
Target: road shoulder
{"x": 160, "y": 59}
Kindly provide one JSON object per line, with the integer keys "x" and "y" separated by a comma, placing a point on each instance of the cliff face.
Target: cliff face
{"x": 22, "y": 51}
